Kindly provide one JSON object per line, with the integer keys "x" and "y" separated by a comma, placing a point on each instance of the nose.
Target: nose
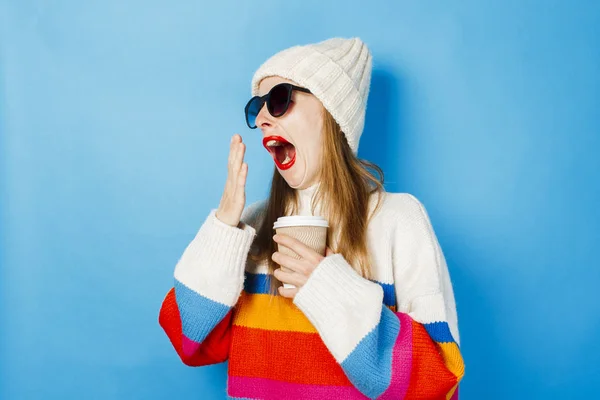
{"x": 264, "y": 119}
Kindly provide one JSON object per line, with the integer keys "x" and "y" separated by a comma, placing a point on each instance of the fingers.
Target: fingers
{"x": 236, "y": 153}
{"x": 290, "y": 293}
{"x": 238, "y": 170}
{"x": 241, "y": 182}
{"x": 291, "y": 278}
{"x": 289, "y": 263}
{"x": 239, "y": 156}
{"x": 298, "y": 247}
{"x": 233, "y": 199}
{"x": 235, "y": 140}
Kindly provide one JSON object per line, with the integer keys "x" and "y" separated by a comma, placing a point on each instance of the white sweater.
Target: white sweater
{"x": 393, "y": 336}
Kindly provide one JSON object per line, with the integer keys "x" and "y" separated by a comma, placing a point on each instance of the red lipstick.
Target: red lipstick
{"x": 282, "y": 151}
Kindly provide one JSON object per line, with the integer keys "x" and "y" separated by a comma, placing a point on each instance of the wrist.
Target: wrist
{"x": 226, "y": 220}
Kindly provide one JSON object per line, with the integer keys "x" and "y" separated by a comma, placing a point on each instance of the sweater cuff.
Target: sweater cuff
{"x": 342, "y": 305}
{"x": 213, "y": 264}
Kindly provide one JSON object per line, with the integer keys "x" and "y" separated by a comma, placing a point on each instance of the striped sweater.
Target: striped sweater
{"x": 343, "y": 336}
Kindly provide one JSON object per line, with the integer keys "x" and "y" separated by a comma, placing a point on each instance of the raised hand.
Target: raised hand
{"x": 233, "y": 200}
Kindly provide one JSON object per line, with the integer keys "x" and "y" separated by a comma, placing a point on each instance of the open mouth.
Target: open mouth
{"x": 282, "y": 151}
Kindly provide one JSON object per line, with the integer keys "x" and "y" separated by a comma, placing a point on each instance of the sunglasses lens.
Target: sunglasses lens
{"x": 279, "y": 100}
{"x": 252, "y": 111}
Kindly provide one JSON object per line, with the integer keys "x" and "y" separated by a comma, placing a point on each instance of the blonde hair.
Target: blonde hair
{"x": 346, "y": 185}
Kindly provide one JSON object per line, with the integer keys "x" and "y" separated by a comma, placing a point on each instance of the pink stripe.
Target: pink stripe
{"x": 189, "y": 346}
{"x": 267, "y": 389}
{"x": 401, "y": 360}
{"x": 455, "y": 395}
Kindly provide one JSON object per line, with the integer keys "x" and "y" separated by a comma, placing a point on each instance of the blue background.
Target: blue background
{"x": 115, "y": 119}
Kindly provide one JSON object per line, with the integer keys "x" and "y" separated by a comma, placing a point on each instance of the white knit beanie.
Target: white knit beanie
{"x": 337, "y": 71}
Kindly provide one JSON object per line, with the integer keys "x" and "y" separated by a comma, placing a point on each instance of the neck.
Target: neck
{"x": 305, "y": 197}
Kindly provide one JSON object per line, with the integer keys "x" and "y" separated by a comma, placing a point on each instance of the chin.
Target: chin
{"x": 294, "y": 181}
{"x": 295, "y": 177}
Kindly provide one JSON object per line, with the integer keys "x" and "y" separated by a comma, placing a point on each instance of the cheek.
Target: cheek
{"x": 313, "y": 147}
{"x": 315, "y": 142}
{"x": 309, "y": 143}
{"x": 316, "y": 155}
{"x": 305, "y": 127}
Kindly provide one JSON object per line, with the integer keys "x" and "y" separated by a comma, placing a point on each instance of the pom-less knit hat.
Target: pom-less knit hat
{"x": 337, "y": 71}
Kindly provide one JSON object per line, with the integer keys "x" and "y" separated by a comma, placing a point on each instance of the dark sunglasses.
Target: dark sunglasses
{"x": 278, "y": 100}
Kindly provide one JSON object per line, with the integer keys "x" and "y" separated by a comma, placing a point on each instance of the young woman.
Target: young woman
{"x": 373, "y": 318}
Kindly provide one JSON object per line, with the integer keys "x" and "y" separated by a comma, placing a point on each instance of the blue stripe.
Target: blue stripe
{"x": 369, "y": 366}
{"x": 439, "y": 331}
{"x": 199, "y": 315}
{"x": 389, "y": 294}
{"x": 257, "y": 283}
{"x": 260, "y": 284}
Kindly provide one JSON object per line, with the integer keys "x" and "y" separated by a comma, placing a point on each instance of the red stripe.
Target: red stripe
{"x": 295, "y": 357}
{"x": 430, "y": 379}
{"x": 214, "y": 349}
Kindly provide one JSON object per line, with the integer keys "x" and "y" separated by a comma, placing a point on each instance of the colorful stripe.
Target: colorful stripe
{"x": 449, "y": 349}
{"x": 399, "y": 359}
{"x": 271, "y": 330}
{"x": 215, "y": 347}
{"x": 397, "y": 352}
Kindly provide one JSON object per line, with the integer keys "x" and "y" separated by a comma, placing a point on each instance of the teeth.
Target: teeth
{"x": 275, "y": 143}
{"x": 287, "y": 159}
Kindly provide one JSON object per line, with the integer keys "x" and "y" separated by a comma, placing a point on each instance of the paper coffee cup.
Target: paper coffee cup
{"x": 310, "y": 230}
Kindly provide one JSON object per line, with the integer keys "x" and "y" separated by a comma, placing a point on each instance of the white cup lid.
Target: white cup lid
{"x": 300, "y": 220}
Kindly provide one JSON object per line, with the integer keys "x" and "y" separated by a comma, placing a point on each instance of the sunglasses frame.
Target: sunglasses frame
{"x": 266, "y": 99}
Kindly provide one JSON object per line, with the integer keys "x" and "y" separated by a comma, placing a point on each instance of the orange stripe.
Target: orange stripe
{"x": 275, "y": 313}
{"x": 452, "y": 358}
{"x": 295, "y": 357}
{"x": 429, "y": 378}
